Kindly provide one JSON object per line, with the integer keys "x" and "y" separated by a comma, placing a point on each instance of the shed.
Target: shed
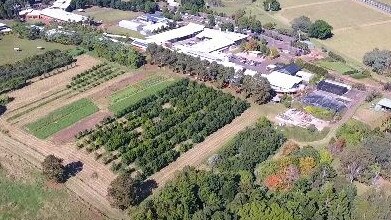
{"x": 384, "y": 103}
{"x": 290, "y": 69}
{"x": 281, "y": 82}
{"x": 331, "y": 87}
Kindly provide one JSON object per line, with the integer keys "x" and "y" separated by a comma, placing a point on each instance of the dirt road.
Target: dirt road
{"x": 92, "y": 190}
{"x": 201, "y": 151}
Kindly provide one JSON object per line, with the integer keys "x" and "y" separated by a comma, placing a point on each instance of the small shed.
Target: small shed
{"x": 383, "y": 104}
{"x": 290, "y": 69}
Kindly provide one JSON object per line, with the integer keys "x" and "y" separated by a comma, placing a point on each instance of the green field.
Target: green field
{"x": 108, "y": 15}
{"x": 302, "y": 134}
{"x": 335, "y": 65}
{"x": 28, "y": 48}
{"x": 115, "y": 29}
{"x": 130, "y": 95}
{"x": 62, "y": 118}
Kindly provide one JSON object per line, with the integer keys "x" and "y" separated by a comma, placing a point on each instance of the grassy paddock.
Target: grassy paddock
{"x": 130, "y": 95}
{"x": 62, "y": 118}
{"x": 28, "y": 47}
{"x": 335, "y": 65}
{"x": 108, "y": 15}
{"x": 302, "y": 134}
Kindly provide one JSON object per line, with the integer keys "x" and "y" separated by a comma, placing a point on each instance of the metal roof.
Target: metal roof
{"x": 385, "y": 102}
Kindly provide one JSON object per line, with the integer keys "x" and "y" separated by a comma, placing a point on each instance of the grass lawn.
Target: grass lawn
{"x": 336, "y": 14}
{"x": 28, "y": 47}
{"x": 123, "y": 31}
{"x": 130, "y": 95}
{"x": 28, "y": 197}
{"x": 108, "y": 15}
{"x": 62, "y": 118}
{"x": 335, "y": 65}
{"x": 302, "y": 134}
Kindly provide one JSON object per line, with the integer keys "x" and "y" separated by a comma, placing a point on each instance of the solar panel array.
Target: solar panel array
{"x": 332, "y": 88}
{"x": 324, "y": 102}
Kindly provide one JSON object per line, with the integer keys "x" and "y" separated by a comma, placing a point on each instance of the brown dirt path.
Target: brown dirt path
{"x": 91, "y": 190}
{"x": 201, "y": 151}
{"x": 68, "y": 134}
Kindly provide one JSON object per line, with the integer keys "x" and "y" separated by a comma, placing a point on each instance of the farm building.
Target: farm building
{"x": 383, "y": 104}
{"x": 290, "y": 69}
{"x": 150, "y": 28}
{"x": 284, "y": 83}
{"x": 61, "y": 4}
{"x": 333, "y": 87}
{"x": 4, "y": 28}
{"x": 131, "y": 25}
{"x": 152, "y": 18}
{"x": 50, "y": 14}
{"x": 175, "y": 35}
{"x": 306, "y": 76}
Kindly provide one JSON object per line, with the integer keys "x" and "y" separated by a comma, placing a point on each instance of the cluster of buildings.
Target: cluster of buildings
{"x": 146, "y": 24}
{"x": 56, "y": 12}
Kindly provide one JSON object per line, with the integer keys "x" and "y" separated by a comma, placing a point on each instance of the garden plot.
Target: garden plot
{"x": 62, "y": 118}
{"x": 122, "y": 99}
{"x": 153, "y": 131}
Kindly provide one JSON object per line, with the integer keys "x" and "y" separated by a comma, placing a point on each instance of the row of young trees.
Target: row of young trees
{"x": 257, "y": 88}
{"x": 14, "y": 76}
{"x": 230, "y": 190}
{"x": 195, "y": 112}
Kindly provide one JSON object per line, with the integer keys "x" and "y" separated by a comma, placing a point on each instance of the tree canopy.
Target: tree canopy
{"x": 271, "y": 5}
{"x": 378, "y": 60}
{"x": 53, "y": 169}
{"x": 320, "y": 29}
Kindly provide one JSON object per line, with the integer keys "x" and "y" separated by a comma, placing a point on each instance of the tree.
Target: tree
{"x": 53, "y": 169}
{"x": 373, "y": 204}
{"x": 320, "y": 29}
{"x": 378, "y": 60}
{"x": 258, "y": 88}
{"x": 124, "y": 191}
{"x": 271, "y": 5}
{"x": 301, "y": 23}
{"x": 356, "y": 163}
{"x": 211, "y": 21}
{"x": 193, "y": 5}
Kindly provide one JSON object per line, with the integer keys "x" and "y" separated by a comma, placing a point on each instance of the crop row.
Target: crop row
{"x": 154, "y": 131}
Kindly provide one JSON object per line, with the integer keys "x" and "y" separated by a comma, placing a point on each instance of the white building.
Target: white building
{"x": 306, "y": 76}
{"x": 4, "y": 28}
{"x": 383, "y": 104}
{"x": 61, "y": 4}
{"x": 176, "y": 34}
{"x": 284, "y": 83}
{"x": 172, "y": 3}
{"x": 150, "y": 28}
{"x": 131, "y": 25}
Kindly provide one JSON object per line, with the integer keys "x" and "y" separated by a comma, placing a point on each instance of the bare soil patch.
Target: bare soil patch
{"x": 53, "y": 84}
{"x": 68, "y": 135}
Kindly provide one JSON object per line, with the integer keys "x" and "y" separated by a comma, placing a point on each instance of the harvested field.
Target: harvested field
{"x": 46, "y": 87}
{"x": 62, "y": 118}
{"x": 340, "y": 14}
{"x": 68, "y": 135}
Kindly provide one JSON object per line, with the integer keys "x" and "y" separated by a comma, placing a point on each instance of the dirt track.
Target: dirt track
{"x": 87, "y": 188}
{"x": 200, "y": 152}
{"x": 45, "y": 87}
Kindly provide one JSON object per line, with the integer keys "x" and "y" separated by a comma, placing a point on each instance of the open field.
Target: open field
{"x": 108, "y": 15}
{"x": 355, "y": 42}
{"x": 132, "y": 94}
{"x": 38, "y": 90}
{"x": 28, "y": 47}
{"x": 340, "y": 14}
{"x": 369, "y": 116}
{"x": 62, "y": 118}
{"x": 115, "y": 29}
{"x": 296, "y": 3}
{"x": 25, "y": 195}
{"x": 336, "y": 66}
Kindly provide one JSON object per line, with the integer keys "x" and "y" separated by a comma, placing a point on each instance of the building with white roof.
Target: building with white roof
{"x": 149, "y": 28}
{"x": 284, "y": 83}
{"x": 176, "y": 34}
{"x": 131, "y": 25}
{"x": 50, "y": 14}
{"x": 61, "y": 4}
{"x": 306, "y": 76}
{"x": 25, "y": 12}
{"x": 383, "y": 104}
{"x": 172, "y": 3}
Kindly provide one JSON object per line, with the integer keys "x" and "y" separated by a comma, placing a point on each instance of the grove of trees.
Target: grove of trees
{"x": 196, "y": 111}
{"x": 14, "y": 76}
{"x": 319, "y": 29}
{"x": 231, "y": 191}
{"x": 257, "y": 88}
{"x": 378, "y": 60}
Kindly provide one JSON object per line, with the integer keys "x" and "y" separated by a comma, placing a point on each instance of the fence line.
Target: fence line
{"x": 379, "y": 5}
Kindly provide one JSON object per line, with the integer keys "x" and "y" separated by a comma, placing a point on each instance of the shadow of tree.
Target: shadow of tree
{"x": 145, "y": 189}
{"x": 72, "y": 169}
